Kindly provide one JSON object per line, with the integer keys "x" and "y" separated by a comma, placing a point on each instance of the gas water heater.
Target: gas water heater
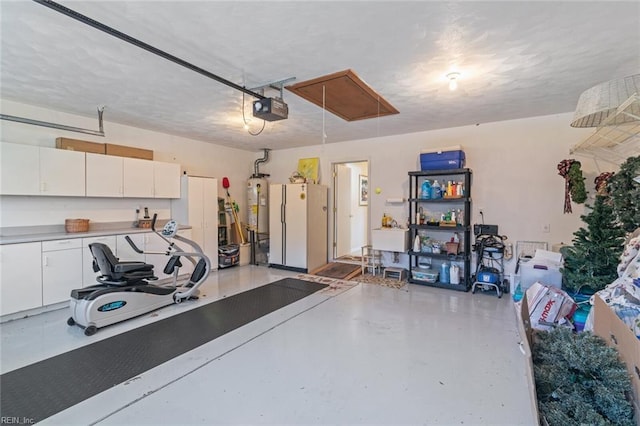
{"x": 258, "y": 204}
{"x": 258, "y": 198}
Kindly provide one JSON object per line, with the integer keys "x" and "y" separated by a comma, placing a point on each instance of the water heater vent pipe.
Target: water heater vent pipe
{"x": 256, "y": 164}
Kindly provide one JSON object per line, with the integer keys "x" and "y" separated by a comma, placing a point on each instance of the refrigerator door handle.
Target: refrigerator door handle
{"x": 284, "y": 233}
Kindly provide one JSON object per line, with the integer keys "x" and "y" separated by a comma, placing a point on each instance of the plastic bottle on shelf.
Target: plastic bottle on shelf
{"x": 426, "y": 189}
{"x": 384, "y": 220}
{"x": 416, "y": 243}
{"x": 454, "y": 274}
{"x": 449, "y": 189}
{"x": 444, "y": 273}
{"x": 436, "y": 190}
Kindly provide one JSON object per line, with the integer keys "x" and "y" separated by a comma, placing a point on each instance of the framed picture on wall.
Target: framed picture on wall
{"x": 363, "y": 184}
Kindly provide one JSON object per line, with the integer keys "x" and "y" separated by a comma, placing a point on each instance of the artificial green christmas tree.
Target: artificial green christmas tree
{"x": 590, "y": 264}
{"x": 625, "y": 193}
{"x": 580, "y": 380}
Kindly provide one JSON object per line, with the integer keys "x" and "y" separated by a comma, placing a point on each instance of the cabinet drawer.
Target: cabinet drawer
{"x": 71, "y": 243}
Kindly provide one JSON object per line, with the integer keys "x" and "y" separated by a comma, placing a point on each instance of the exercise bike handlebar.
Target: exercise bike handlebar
{"x": 133, "y": 245}
{"x": 153, "y": 228}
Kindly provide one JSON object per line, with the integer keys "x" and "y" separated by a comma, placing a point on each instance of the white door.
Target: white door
{"x": 195, "y": 214}
{"x": 295, "y": 224}
{"x": 210, "y": 220}
{"x": 276, "y": 226}
{"x": 342, "y": 212}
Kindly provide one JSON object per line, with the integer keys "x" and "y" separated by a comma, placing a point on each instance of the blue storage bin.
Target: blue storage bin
{"x": 442, "y": 160}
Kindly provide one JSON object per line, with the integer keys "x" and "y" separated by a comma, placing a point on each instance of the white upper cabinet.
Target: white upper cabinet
{"x": 62, "y": 172}
{"x": 138, "y": 178}
{"x": 104, "y": 175}
{"x": 166, "y": 178}
{"x": 20, "y": 172}
{"x": 33, "y": 170}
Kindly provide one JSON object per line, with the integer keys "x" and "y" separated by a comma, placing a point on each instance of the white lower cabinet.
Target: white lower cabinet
{"x": 37, "y": 274}
{"x": 61, "y": 269}
{"x": 20, "y": 277}
{"x": 88, "y": 275}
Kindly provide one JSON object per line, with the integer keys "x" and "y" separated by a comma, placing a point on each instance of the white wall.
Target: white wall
{"x": 514, "y": 163}
{"x": 195, "y": 157}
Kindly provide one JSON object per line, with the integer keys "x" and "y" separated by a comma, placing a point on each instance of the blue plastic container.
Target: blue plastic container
{"x": 442, "y": 160}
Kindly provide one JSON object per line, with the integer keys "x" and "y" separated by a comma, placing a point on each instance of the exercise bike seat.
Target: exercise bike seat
{"x": 115, "y": 271}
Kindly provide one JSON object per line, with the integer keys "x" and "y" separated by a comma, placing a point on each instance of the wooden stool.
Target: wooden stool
{"x": 394, "y": 273}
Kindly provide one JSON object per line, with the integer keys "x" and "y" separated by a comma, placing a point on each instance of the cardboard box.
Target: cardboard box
{"x": 526, "y": 335}
{"x": 617, "y": 334}
{"x": 127, "y": 151}
{"x": 80, "y": 145}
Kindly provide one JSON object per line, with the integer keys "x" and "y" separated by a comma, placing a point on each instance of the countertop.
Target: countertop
{"x": 30, "y": 234}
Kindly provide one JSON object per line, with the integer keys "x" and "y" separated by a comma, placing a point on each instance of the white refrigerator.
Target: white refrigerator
{"x": 298, "y": 226}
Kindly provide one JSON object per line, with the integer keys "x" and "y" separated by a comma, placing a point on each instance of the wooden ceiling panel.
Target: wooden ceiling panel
{"x": 345, "y": 95}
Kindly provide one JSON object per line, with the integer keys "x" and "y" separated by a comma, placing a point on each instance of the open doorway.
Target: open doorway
{"x": 351, "y": 209}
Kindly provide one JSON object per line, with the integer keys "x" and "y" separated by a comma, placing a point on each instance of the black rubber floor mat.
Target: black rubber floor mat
{"x": 45, "y": 388}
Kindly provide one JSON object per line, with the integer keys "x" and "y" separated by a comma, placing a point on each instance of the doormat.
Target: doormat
{"x": 341, "y": 271}
{"x": 42, "y": 389}
{"x": 350, "y": 258}
{"x": 379, "y": 280}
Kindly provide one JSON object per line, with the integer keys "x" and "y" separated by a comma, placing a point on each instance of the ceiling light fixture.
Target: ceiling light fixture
{"x": 453, "y": 80}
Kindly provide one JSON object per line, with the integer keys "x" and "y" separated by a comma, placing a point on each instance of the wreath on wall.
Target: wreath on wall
{"x": 574, "y": 188}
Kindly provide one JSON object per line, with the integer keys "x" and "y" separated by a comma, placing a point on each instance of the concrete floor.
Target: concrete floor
{"x": 361, "y": 354}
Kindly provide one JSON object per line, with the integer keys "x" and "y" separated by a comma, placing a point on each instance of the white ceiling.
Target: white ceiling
{"x": 516, "y": 59}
